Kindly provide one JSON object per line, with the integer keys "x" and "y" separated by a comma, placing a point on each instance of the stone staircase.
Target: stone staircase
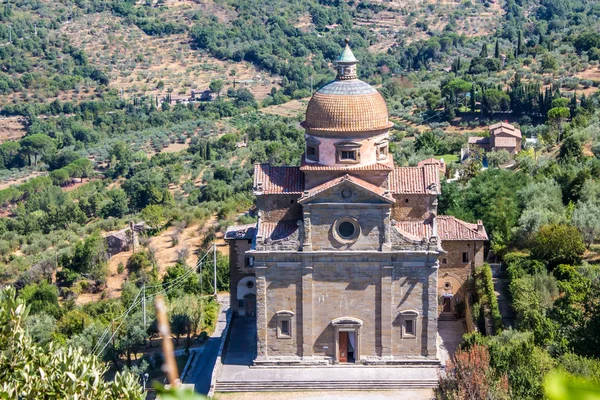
{"x": 344, "y": 385}
{"x": 447, "y": 317}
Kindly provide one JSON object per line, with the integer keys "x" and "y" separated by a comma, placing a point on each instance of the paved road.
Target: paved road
{"x": 200, "y": 374}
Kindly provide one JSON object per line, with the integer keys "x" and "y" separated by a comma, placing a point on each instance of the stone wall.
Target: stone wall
{"x": 237, "y": 268}
{"x": 371, "y": 219}
{"x": 279, "y": 207}
{"x": 413, "y": 207}
{"x": 453, "y": 272}
{"x": 375, "y": 288}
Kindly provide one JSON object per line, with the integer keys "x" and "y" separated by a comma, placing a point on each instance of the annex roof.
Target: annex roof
{"x": 382, "y": 193}
{"x": 452, "y": 228}
{"x": 240, "y": 232}
{"x": 505, "y": 128}
{"x": 277, "y": 230}
{"x": 440, "y": 163}
{"x": 269, "y": 179}
{"x": 415, "y": 180}
{"x": 478, "y": 140}
{"x": 505, "y": 142}
{"x": 415, "y": 230}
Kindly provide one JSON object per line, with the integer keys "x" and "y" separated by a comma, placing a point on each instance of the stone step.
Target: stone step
{"x": 447, "y": 317}
{"x": 293, "y": 386}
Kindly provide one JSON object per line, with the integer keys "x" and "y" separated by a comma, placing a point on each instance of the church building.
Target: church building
{"x": 349, "y": 261}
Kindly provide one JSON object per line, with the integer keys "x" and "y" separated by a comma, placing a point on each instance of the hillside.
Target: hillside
{"x": 99, "y": 128}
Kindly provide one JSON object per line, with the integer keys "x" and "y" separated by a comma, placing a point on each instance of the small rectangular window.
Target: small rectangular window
{"x": 465, "y": 257}
{"x": 409, "y": 327}
{"x": 285, "y": 328}
{"x": 348, "y": 155}
{"x": 312, "y": 153}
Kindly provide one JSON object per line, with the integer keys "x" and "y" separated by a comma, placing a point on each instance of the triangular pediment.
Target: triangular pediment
{"x": 347, "y": 189}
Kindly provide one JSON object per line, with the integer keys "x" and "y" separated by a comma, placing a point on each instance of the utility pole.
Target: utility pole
{"x": 215, "y": 268}
{"x": 144, "y": 303}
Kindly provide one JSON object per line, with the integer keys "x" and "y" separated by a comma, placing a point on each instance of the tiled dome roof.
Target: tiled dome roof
{"x": 346, "y": 106}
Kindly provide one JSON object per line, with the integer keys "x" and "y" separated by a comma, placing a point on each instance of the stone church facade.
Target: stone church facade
{"x": 347, "y": 262}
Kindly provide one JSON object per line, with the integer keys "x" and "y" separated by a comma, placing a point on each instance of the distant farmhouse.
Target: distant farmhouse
{"x": 503, "y": 136}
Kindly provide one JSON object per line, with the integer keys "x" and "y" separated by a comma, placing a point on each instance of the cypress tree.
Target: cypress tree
{"x": 573, "y": 105}
{"x": 497, "y": 50}
{"x": 208, "y": 151}
{"x": 484, "y": 52}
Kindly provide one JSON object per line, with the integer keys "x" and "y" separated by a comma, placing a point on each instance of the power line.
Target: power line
{"x": 144, "y": 300}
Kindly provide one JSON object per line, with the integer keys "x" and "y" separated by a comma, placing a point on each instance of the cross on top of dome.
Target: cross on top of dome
{"x": 346, "y": 64}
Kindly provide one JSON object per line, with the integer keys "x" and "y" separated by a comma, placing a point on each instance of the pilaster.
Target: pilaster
{"x": 261, "y": 310}
{"x": 386, "y": 310}
{"x": 432, "y": 309}
{"x": 307, "y": 310}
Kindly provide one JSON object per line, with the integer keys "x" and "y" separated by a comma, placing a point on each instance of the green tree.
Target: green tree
{"x": 89, "y": 257}
{"x": 36, "y": 145}
{"x": 557, "y": 116}
{"x": 586, "y": 218}
{"x": 155, "y": 216}
{"x": 30, "y": 371}
{"x": 558, "y": 244}
{"x": 216, "y": 86}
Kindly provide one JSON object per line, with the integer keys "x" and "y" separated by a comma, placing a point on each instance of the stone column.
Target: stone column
{"x": 307, "y": 310}
{"x": 261, "y": 311}
{"x": 386, "y": 310}
{"x": 432, "y": 309}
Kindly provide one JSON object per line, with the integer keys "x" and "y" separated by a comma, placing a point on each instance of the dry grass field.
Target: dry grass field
{"x": 400, "y": 20}
{"x": 289, "y": 109}
{"x": 136, "y": 62}
{"x": 11, "y": 128}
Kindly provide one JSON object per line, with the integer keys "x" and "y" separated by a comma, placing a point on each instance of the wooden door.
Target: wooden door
{"x": 447, "y": 304}
{"x": 343, "y": 346}
{"x": 250, "y": 305}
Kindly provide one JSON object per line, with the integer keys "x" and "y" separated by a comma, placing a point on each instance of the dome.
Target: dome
{"x": 346, "y": 105}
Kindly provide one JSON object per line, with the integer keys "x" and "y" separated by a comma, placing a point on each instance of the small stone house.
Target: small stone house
{"x": 119, "y": 241}
{"x": 503, "y": 136}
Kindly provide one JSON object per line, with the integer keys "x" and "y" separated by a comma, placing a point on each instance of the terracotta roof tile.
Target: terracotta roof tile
{"x": 277, "y": 180}
{"x": 240, "y": 232}
{"x": 452, "y": 228}
{"x": 478, "y": 140}
{"x": 415, "y": 230}
{"x": 440, "y": 163}
{"x": 277, "y": 230}
{"x": 505, "y": 142}
{"x": 415, "y": 180}
{"x": 381, "y": 192}
{"x": 506, "y": 128}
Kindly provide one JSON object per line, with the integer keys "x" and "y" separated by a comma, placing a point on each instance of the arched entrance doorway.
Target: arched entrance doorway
{"x": 246, "y": 295}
